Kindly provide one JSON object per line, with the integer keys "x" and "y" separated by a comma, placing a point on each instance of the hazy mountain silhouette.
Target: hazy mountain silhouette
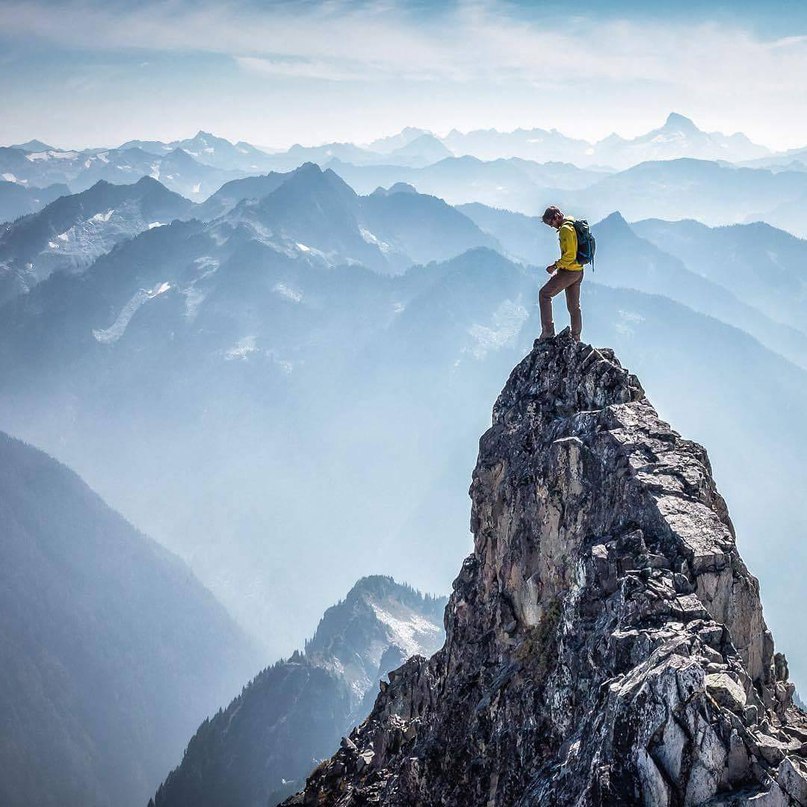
{"x": 757, "y": 262}
{"x": 714, "y": 193}
{"x": 79, "y": 170}
{"x": 17, "y": 200}
{"x": 112, "y": 650}
{"x": 208, "y": 149}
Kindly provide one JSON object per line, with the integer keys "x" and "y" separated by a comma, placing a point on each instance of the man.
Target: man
{"x": 567, "y": 275}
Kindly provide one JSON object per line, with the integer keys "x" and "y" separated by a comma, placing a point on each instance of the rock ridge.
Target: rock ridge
{"x": 605, "y": 643}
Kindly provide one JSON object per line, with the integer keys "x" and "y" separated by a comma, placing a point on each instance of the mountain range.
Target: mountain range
{"x": 722, "y": 272}
{"x": 677, "y": 137}
{"x": 286, "y": 377}
{"x": 80, "y": 169}
{"x": 675, "y": 171}
{"x": 74, "y": 230}
{"x": 112, "y": 650}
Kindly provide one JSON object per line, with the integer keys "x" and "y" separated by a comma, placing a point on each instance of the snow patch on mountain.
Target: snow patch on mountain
{"x": 194, "y": 292}
{"x": 51, "y": 155}
{"x": 408, "y": 630}
{"x": 371, "y": 239}
{"x": 504, "y": 328}
{"x": 118, "y": 327}
{"x": 242, "y": 348}
{"x": 287, "y": 292}
{"x": 627, "y": 322}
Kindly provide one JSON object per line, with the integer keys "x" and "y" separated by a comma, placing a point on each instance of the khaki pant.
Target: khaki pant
{"x": 568, "y": 280}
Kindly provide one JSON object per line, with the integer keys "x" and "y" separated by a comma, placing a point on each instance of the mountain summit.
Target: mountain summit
{"x": 605, "y": 643}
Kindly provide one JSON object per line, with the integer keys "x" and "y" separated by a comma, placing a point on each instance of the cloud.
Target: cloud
{"x": 303, "y": 68}
{"x": 344, "y": 41}
{"x": 485, "y": 49}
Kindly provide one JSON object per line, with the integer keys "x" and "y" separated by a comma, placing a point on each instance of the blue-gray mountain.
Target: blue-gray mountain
{"x": 260, "y": 748}
{"x": 764, "y": 266}
{"x": 16, "y": 200}
{"x": 677, "y": 137}
{"x": 112, "y": 651}
{"x": 80, "y": 170}
{"x": 73, "y": 231}
{"x": 210, "y": 150}
{"x": 749, "y": 276}
{"x": 713, "y": 192}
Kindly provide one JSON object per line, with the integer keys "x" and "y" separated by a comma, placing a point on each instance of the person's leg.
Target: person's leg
{"x": 573, "y": 304}
{"x": 553, "y": 286}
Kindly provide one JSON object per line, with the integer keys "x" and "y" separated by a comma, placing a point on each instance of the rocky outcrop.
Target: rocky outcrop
{"x": 605, "y": 643}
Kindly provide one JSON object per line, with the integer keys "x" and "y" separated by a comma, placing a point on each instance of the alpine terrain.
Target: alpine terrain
{"x": 605, "y": 642}
{"x": 259, "y": 749}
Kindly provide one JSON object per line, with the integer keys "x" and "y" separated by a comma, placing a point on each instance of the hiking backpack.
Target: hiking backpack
{"x": 586, "y": 243}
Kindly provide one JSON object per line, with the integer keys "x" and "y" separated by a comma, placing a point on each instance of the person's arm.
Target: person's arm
{"x": 568, "y": 247}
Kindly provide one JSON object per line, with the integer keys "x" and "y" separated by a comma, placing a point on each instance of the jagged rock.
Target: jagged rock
{"x": 639, "y": 669}
{"x": 726, "y": 691}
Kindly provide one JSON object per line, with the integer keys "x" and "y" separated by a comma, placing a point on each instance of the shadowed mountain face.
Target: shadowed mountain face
{"x": 17, "y": 200}
{"x": 112, "y": 650}
{"x": 259, "y": 749}
{"x": 72, "y": 232}
{"x": 762, "y": 265}
{"x": 605, "y": 642}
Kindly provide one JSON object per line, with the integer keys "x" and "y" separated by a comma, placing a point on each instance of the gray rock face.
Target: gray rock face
{"x": 605, "y": 643}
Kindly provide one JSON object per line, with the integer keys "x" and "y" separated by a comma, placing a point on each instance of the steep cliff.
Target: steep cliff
{"x": 605, "y": 643}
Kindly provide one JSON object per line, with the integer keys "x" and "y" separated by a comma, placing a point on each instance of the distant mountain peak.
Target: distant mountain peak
{"x": 615, "y": 219}
{"x": 33, "y": 146}
{"x": 398, "y": 187}
{"x": 680, "y": 122}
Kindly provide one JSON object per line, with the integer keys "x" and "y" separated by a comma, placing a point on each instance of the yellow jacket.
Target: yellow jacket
{"x": 568, "y": 246}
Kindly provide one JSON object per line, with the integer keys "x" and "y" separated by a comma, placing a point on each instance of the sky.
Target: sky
{"x": 88, "y": 73}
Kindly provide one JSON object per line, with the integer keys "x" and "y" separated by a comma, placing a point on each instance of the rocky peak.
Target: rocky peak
{"x": 605, "y": 643}
{"x": 379, "y": 624}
